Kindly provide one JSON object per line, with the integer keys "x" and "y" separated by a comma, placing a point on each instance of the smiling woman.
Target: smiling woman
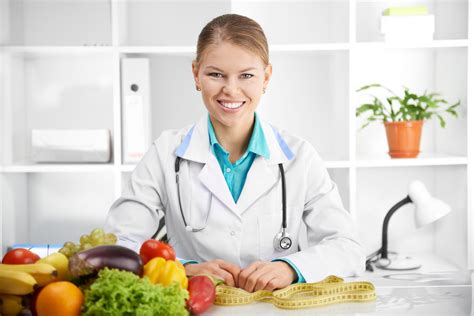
{"x": 224, "y": 183}
{"x": 232, "y": 80}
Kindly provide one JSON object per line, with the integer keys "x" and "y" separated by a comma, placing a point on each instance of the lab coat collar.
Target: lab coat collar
{"x": 196, "y": 147}
{"x": 262, "y": 175}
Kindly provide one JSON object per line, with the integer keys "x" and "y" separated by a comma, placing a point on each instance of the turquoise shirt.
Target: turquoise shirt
{"x": 235, "y": 174}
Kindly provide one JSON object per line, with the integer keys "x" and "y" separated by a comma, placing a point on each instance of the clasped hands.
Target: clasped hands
{"x": 260, "y": 275}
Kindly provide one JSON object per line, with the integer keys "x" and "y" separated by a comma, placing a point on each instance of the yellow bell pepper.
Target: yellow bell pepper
{"x": 165, "y": 272}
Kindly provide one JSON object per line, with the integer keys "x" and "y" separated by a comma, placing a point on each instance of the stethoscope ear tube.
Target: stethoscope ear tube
{"x": 187, "y": 227}
{"x": 176, "y": 170}
{"x": 283, "y": 195}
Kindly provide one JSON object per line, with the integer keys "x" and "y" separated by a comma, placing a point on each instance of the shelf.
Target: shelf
{"x": 310, "y": 47}
{"x": 57, "y": 49}
{"x": 431, "y": 44}
{"x": 157, "y": 49}
{"x": 57, "y": 168}
{"x": 424, "y": 159}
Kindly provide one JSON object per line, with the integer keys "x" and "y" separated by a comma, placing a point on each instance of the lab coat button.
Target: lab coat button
{"x": 232, "y": 233}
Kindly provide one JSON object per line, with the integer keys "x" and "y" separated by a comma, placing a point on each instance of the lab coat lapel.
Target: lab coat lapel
{"x": 196, "y": 147}
{"x": 263, "y": 174}
{"x": 260, "y": 179}
{"x": 211, "y": 176}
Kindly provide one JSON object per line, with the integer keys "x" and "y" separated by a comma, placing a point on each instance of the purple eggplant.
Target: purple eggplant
{"x": 92, "y": 260}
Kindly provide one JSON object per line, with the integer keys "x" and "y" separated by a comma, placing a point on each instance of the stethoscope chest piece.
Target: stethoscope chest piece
{"x": 282, "y": 241}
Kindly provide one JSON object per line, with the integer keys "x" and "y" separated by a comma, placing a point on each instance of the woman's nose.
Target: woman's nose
{"x": 231, "y": 86}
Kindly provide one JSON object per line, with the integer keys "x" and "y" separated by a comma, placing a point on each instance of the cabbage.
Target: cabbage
{"x": 123, "y": 293}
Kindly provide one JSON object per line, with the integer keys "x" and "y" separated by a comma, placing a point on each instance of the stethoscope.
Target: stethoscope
{"x": 282, "y": 240}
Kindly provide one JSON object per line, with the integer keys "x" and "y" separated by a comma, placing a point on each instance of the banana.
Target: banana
{"x": 16, "y": 282}
{"x": 60, "y": 262}
{"x": 43, "y": 273}
{"x": 10, "y": 304}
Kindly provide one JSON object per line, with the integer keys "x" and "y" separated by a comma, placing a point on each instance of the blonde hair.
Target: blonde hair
{"x": 236, "y": 29}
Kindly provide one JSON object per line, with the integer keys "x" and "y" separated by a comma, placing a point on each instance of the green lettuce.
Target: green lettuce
{"x": 123, "y": 293}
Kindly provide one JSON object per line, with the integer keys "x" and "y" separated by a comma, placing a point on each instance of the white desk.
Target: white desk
{"x": 408, "y": 293}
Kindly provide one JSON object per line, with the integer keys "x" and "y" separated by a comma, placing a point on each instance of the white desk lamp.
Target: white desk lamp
{"x": 427, "y": 210}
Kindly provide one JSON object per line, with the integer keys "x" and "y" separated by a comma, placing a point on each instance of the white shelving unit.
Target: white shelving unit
{"x": 66, "y": 73}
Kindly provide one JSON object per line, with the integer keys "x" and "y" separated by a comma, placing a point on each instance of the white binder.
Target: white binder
{"x": 136, "y": 114}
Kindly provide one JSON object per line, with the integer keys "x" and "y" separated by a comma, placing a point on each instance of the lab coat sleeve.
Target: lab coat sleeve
{"x": 133, "y": 218}
{"x": 333, "y": 247}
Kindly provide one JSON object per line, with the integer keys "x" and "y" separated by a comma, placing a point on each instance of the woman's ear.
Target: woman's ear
{"x": 195, "y": 70}
{"x": 268, "y": 74}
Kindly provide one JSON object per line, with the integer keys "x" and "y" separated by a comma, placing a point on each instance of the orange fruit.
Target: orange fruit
{"x": 59, "y": 299}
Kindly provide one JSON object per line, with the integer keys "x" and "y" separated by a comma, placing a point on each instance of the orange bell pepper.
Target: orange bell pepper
{"x": 165, "y": 272}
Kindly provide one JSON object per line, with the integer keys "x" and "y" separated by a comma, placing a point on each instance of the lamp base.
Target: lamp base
{"x": 398, "y": 263}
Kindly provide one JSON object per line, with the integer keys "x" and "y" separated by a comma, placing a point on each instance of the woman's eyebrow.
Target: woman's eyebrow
{"x": 216, "y": 68}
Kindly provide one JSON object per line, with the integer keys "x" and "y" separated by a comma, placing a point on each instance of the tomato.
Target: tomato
{"x": 153, "y": 248}
{"x": 202, "y": 293}
{"x": 20, "y": 256}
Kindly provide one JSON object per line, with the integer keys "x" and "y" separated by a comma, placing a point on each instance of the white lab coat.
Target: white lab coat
{"x": 239, "y": 232}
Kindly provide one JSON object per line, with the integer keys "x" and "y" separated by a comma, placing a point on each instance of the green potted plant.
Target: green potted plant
{"x": 403, "y": 117}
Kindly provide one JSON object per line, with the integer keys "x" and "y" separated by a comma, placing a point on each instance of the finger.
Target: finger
{"x": 262, "y": 281}
{"x": 231, "y": 268}
{"x": 226, "y": 276}
{"x": 244, "y": 274}
{"x": 253, "y": 279}
{"x": 272, "y": 284}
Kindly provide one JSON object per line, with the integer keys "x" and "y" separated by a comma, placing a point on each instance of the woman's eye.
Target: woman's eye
{"x": 215, "y": 75}
{"x": 247, "y": 76}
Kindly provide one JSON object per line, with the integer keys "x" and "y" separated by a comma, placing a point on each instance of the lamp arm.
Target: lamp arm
{"x": 383, "y": 250}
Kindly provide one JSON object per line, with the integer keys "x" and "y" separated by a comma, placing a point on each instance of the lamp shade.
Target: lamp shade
{"x": 427, "y": 208}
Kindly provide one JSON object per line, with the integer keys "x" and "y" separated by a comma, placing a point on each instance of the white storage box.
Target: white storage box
{"x": 409, "y": 28}
{"x": 61, "y": 145}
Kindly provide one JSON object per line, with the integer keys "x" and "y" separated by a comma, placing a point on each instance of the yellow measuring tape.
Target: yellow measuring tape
{"x": 331, "y": 290}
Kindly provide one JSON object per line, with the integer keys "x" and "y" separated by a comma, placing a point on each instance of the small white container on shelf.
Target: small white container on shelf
{"x": 410, "y": 28}
{"x": 79, "y": 146}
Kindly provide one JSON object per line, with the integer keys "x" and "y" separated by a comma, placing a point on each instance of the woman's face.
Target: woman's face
{"x": 231, "y": 80}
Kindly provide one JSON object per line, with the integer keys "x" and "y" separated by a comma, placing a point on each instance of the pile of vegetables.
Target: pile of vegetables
{"x": 98, "y": 277}
{"x": 150, "y": 283}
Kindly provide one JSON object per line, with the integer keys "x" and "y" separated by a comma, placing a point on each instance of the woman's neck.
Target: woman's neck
{"x": 234, "y": 139}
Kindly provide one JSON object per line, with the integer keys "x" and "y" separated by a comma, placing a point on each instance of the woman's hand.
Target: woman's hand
{"x": 267, "y": 276}
{"x": 221, "y": 269}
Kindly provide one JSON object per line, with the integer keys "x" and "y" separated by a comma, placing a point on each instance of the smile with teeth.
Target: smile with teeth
{"x": 231, "y": 105}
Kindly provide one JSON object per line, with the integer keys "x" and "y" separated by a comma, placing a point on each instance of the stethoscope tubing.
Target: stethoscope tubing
{"x": 279, "y": 236}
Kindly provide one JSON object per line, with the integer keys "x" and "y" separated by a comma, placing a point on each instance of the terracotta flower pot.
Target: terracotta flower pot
{"x": 404, "y": 138}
